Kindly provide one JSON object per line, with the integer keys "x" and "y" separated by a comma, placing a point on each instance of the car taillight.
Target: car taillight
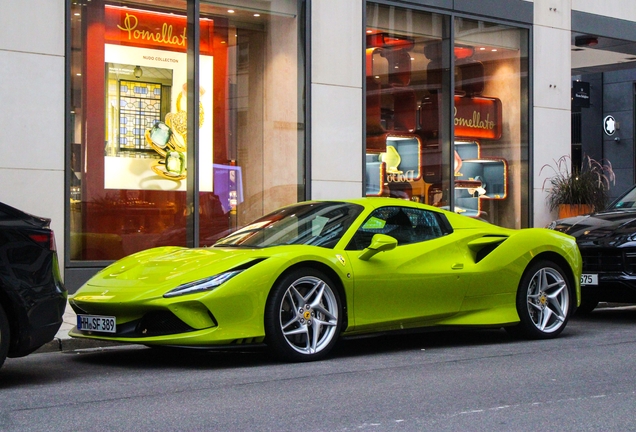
{"x": 53, "y": 245}
{"x": 46, "y": 240}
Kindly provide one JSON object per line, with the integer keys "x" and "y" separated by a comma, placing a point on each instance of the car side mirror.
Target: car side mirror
{"x": 379, "y": 243}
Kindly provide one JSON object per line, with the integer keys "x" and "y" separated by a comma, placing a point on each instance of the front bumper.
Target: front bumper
{"x": 197, "y": 320}
{"x": 612, "y": 287}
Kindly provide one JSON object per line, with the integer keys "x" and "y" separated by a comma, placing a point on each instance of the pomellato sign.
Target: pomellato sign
{"x": 146, "y": 29}
{"x": 475, "y": 117}
{"x": 163, "y": 36}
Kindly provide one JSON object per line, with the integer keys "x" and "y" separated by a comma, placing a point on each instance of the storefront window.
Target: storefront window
{"x": 491, "y": 122}
{"x": 467, "y": 153}
{"x": 407, "y": 147}
{"x": 129, "y": 111}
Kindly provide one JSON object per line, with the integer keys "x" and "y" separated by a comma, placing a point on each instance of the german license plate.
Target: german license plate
{"x": 97, "y": 323}
{"x": 589, "y": 279}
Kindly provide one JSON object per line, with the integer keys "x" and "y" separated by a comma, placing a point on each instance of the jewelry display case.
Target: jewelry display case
{"x": 477, "y": 179}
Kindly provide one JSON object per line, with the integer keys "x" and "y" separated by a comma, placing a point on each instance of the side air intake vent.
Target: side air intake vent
{"x": 483, "y": 246}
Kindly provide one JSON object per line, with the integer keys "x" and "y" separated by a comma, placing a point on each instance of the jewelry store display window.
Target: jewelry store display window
{"x": 474, "y": 162}
{"x": 132, "y": 160}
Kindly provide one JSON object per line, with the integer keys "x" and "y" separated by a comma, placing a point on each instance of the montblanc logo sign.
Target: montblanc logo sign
{"x": 610, "y": 125}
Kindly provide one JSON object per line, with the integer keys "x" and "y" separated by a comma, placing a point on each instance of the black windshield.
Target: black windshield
{"x": 627, "y": 201}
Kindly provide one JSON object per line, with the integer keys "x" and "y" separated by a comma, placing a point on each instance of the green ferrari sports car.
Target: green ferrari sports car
{"x": 304, "y": 276}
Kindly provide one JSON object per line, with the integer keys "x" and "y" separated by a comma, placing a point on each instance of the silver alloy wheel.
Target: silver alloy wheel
{"x": 309, "y": 315}
{"x": 548, "y": 300}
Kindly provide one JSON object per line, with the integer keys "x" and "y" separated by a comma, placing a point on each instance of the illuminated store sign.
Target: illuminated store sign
{"x": 165, "y": 36}
{"x": 475, "y": 117}
{"x": 152, "y": 29}
{"x": 478, "y": 117}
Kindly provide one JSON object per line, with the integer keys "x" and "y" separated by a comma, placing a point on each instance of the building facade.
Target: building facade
{"x": 455, "y": 103}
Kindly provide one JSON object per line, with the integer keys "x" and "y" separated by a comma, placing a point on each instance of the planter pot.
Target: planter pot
{"x": 570, "y": 210}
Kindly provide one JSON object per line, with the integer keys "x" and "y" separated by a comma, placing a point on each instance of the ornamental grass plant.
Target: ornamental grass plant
{"x": 586, "y": 185}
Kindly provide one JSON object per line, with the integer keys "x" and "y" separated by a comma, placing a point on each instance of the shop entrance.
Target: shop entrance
{"x": 602, "y": 126}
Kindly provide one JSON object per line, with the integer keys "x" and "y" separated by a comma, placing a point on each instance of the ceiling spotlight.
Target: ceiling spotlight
{"x": 585, "y": 41}
{"x": 138, "y": 72}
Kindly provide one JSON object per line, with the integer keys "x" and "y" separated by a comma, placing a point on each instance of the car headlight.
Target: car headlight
{"x": 552, "y": 225}
{"x": 206, "y": 284}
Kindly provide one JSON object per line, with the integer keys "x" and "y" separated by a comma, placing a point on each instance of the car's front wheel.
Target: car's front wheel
{"x": 4, "y": 336}
{"x": 543, "y": 301}
{"x": 303, "y": 316}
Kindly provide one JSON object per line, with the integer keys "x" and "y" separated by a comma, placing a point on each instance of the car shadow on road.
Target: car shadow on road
{"x": 396, "y": 342}
{"x": 144, "y": 358}
{"x": 141, "y": 357}
{"x": 130, "y": 358}
{"x": 19, "y": 377}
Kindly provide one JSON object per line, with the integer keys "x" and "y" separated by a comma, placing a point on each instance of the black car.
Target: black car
{"x": 607, "y": 241}
{"x": 32, "y": 295}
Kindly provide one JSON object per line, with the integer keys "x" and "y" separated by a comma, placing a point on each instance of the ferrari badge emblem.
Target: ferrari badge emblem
{"x": 341, "y": 259}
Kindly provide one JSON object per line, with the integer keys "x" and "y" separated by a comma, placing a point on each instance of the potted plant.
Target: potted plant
{"x": 578, "y": 191}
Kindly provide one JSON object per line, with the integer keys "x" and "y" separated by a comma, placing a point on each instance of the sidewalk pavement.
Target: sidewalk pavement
{"x": 63, "y": 342}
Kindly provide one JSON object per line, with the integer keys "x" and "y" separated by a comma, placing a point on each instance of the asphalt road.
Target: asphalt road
{"x": 441, "y": 381}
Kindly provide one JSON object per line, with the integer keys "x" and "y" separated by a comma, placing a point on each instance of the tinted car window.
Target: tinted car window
{"x": 406, "y": 225}
{"x": 626, "y": 201}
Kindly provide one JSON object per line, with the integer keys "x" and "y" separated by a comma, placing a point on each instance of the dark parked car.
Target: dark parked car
{"x": 607, "y": 241}
{"x": 32, "y": 296}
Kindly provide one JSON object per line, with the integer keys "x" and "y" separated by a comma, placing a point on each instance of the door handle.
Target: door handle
{"x": 457, "y": 266}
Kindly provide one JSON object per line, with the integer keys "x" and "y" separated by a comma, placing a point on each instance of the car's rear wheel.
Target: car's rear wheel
{"x": 5, "y": 336}
{"x": 303, "y": 316}
{"x": 543, "y": 301}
